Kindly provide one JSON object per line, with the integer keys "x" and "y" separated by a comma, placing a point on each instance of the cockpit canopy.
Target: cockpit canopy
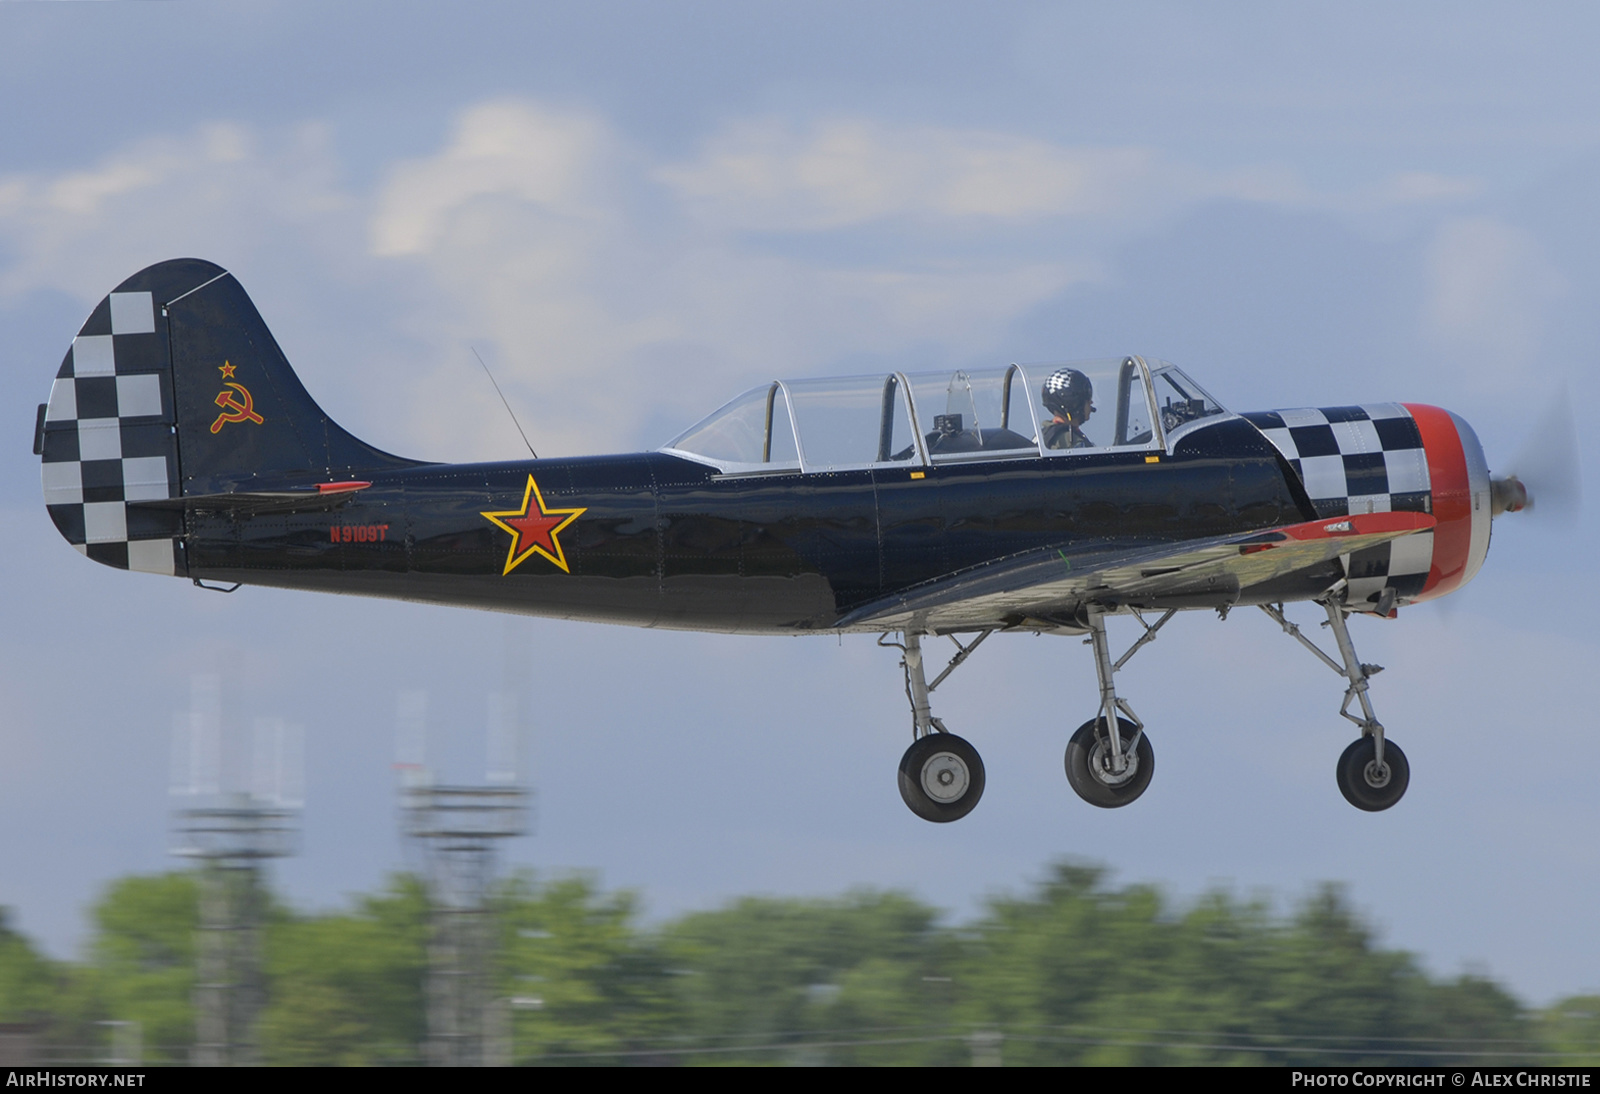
{"x": 924, "y": 418}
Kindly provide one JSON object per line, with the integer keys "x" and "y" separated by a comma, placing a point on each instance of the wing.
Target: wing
{"x": 1046, "y": 588}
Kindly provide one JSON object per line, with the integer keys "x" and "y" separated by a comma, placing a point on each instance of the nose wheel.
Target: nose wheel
{"x": 1369, "y": 784}
{"x": 1093, "y": 770}
{"x": 1373, "y": 773}
{"x": 941, "y": 777}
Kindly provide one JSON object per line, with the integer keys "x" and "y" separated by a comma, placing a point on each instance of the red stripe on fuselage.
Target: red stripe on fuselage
{"x": 1452, "y": 499}
{"x": 1359, "y": 524}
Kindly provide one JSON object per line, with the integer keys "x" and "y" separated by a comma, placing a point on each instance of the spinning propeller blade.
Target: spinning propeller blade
{"x": 1545, "y": 475}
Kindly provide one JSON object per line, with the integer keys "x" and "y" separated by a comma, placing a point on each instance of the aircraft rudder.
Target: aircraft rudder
{"x": 106, "y": 440}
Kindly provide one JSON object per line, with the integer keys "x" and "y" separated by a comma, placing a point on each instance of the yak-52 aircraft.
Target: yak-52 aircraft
{"x": 1039, "y": 498}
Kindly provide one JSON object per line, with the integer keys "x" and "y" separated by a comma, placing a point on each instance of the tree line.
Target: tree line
{"x": 1075, "y": 971}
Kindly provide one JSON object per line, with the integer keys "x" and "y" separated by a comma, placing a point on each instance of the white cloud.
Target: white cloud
{"x": 607, "y": 290}
{"x": 842, "y": 172}
{"x": 768, "y": 175}
{"x": 524, "y": 227}
{"x": 1413, "y": 187}
{"x": 532, "y": 235}
{"x": 217, "y": 192}
{"x": 513, "y": 150}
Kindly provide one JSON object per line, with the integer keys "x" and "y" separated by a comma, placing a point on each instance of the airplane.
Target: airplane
{"x": 960, "y": 503}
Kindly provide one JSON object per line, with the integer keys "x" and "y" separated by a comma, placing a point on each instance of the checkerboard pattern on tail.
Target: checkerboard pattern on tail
{"x": 107, "y": 439}
{"x": 174, "y": 390}
{"x": 1361, "y": 459}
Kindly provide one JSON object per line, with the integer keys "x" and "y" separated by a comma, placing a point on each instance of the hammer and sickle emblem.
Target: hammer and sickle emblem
{"x": 233, "y": 410}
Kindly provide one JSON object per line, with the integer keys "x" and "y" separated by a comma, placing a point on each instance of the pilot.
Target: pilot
{"x": 1068, "y": 395}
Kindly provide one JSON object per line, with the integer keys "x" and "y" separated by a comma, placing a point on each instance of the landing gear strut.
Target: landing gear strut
{"x": 1107, "y": 766}
{"x": 1373, "y": 773}
{"x": 941, "y": 775}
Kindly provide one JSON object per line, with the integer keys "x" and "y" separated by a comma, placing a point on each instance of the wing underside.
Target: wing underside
{"x": 1049, "y": 588}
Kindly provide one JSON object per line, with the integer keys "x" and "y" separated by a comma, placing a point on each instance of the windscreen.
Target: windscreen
{"x": 1179, "y": 400}
{"x": 753, "y": 429}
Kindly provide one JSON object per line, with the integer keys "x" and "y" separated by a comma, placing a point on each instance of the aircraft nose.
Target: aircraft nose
{"x": 1460, "y": 497}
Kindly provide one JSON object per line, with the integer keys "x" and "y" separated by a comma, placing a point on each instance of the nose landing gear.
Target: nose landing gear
{"x": 1372, "y": 773}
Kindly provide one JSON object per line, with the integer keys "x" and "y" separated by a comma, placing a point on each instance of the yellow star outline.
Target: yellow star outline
{"x": 226, "y": 370}
{"x": 533, "y": 529}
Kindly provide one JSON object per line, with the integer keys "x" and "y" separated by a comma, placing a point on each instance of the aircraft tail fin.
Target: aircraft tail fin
{"x": 175, "y": 387}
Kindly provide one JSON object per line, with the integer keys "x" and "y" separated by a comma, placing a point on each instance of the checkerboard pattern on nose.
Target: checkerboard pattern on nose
{"x": 108, "y": 439}
{"x": 1361, "y": 459}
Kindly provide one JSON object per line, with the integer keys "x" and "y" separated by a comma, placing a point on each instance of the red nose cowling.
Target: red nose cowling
{"x": 1459, "y": 479}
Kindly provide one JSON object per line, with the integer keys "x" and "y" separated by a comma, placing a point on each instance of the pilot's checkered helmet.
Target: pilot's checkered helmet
{"x": 1067, "y": 391}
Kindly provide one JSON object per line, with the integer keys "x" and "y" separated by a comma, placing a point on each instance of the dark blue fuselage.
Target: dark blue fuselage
{"x": 667, "y": 542}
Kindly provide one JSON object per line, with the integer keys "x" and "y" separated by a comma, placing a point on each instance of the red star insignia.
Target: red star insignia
{"x": 227, "y": 370}
{"x": 533, "y": 529}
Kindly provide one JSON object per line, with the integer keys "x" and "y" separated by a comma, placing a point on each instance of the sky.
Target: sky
{"x": 635, "y": 211}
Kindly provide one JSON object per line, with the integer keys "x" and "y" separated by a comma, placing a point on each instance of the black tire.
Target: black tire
{"x": 941, "y": 777}
{"x": 1088, "y": 765}
{"x": 1356, "y": 775}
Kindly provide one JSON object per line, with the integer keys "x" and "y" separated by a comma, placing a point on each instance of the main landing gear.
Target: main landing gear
{"x": 1373, "y": 773}
{"x": 941, "y": 775}
{"x": 1105, "y": 766}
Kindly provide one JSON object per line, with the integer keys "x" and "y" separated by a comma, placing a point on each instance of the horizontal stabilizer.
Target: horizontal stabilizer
{"x": 323, "y": 496}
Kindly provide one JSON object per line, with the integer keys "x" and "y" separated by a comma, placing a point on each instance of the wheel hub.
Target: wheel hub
{"x": 1376, "y": 774}
{"x": 1100, "y": 764}
{"x": 945, "y": 777}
